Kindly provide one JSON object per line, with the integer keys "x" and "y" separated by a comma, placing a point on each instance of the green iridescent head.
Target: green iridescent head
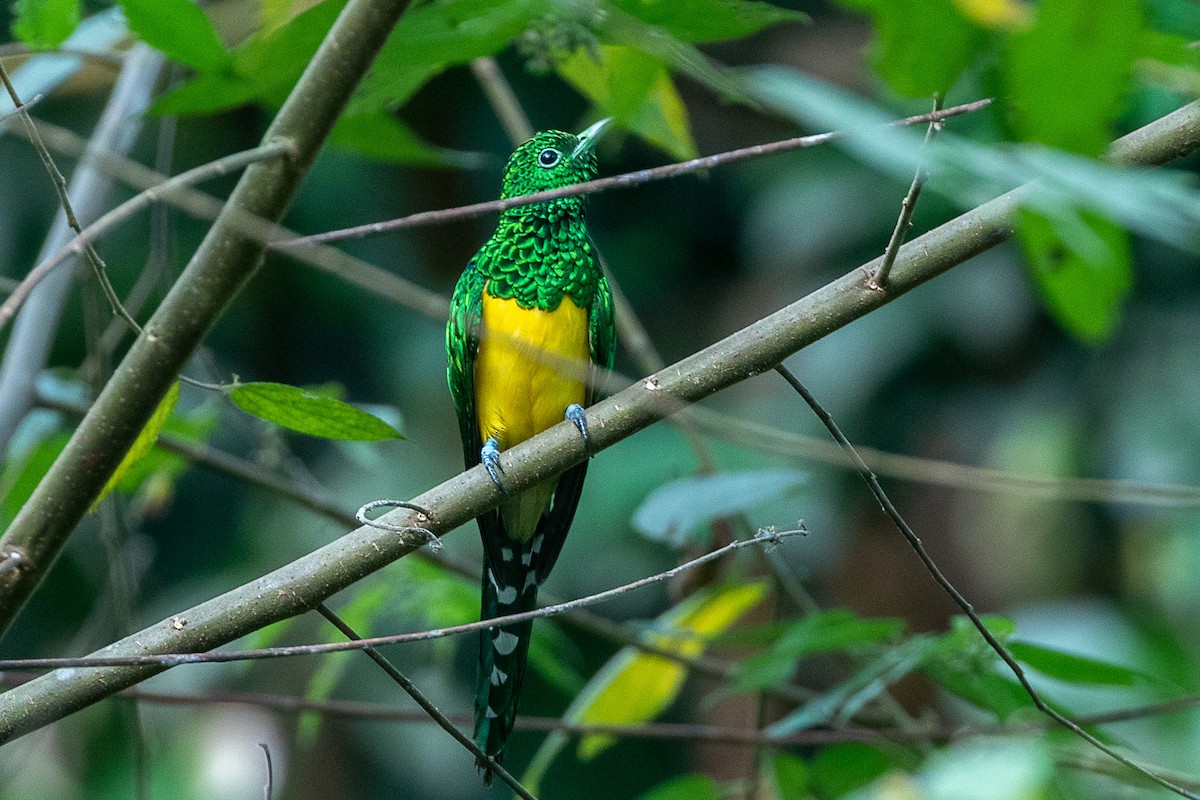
{"x": 551, "y": 160}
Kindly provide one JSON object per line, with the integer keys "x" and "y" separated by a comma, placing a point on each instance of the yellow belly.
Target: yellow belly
{"x": 530, "y": 366}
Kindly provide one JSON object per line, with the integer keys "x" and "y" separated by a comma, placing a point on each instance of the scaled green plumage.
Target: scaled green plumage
{"x": 539, "y": 256}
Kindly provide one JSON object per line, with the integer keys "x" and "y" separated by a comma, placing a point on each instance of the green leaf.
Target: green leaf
{"x": 709, "y": 20}
{"x": 685, "y": 787}
{"x": 45, "y": 24}
{"x": 23, "y": 472}
{"x": 143, "y": 443}
{"x": 1074, "y": 668}
{"x": 179, "y": 29}
{"x": 1066, "y": 77}
{"x": 433, "y": 36}
{"x": 616, "y": 27}
{"x": 842, "y": 768}
{"x": 381, "y": 136}
{"x": 980, "y": 686}
{"x": 634, "y": 686}
{"x": 825, "y": 632}
{"x": 791, "y": 775}
{"x": 635, "y": 89}
{"x": 309, "y": 412}
{"x": 208, "y": 94}
{"x": 846, "y": 699}
{"x": 675, "y": 509}
{"x": 921, "y": 46}
{"x": 1082, "y": 265}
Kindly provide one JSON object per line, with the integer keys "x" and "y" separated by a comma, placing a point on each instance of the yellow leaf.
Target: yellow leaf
{"x": 1001, "y": 14}
{"x": 143, "y": 443}
{"x": 634, "y": 686}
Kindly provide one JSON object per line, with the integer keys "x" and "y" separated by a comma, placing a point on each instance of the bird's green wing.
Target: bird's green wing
{"x": 602, "y": 338}
{"x": 462, "y": 345}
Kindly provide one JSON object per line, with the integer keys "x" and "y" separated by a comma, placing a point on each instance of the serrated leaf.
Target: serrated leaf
{"x": 1075, "y": 668}
{"x": 45, "y": 24}
{"x": 311, "y": 413}
{"x": 825, "y": 632}
{"x": 709, "y": 20}
{"x": 143, "y": 443}
{"x": 1082, "y": 265}
{"x": 634, "y": 686}
{"x": 685, "y": 787}
{"x": 180, "y": 29}
{"x": 675, "y": 509}
{"x": 637, "y": 91}
{"x": 1066, "y": 77}
{"x": 921, "y": 46}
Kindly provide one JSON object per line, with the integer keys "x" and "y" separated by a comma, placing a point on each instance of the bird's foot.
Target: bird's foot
{"x": 490, "y": 456}
{"x": 575, "y": 414}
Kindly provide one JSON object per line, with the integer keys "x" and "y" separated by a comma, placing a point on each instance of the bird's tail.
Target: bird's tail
{"x": 509, "y": 587}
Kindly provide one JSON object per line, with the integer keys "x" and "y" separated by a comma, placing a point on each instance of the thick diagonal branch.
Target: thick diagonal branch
{"x": 306, "y": 582}
{"x": 221, "y": 266}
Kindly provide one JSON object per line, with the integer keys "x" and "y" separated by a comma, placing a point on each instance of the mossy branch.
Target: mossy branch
{"x": 306, "y": 582}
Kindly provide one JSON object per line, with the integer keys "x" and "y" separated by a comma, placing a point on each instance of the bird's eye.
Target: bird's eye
{"x": 549, "y": 157}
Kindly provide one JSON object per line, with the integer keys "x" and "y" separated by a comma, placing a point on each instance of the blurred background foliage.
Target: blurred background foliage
{"x": 1066, "y": 354}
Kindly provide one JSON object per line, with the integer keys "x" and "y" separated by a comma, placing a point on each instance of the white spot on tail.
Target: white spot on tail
{"x": 507, "y": 596}
{"x": 504, "y": 642}
{"x": 537, "y": 543}
{"x": 506, "y": 553}
{"x": 530, "y": 580}
{"x": 526, "y": 557}
{"x": 490, "y": 714}
{"x": 499, "y": 676}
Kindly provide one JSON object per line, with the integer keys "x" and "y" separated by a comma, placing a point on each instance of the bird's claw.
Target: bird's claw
{"x": 575, "y": 414}
{"x": 490, "y": 456}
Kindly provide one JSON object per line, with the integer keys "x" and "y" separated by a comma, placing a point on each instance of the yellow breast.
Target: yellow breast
{"x": 531, "y": 365}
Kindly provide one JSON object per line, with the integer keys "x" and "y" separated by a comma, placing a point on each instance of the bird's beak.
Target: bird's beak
{"x": 588, "y": 139}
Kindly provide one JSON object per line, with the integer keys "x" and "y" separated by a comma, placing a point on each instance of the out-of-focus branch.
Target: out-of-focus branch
{"x": 224, "y": 262}
{"x": 306, "y": 582}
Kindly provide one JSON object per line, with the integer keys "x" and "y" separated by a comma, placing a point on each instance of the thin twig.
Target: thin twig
{"x": 969, "y": 610}
{"x": 21, "y": 108}
{"x": 426, "y": 705}
{"x": 879, "y": 280}
{"x": 84, "y": 238}
{"x": 174, "y": 659}
{"x": 60, "y": 186}
{"x": 603, "y": 184}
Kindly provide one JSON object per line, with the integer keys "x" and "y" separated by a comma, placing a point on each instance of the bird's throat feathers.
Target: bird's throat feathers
{"x": 539, "y": 255}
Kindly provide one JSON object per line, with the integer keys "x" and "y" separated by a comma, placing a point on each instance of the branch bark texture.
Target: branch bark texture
{"x": 221, "y": 266}
{"x": 306, "y": 582}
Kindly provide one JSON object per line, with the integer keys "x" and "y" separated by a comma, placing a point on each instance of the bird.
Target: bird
{"x": 531, "y": 331}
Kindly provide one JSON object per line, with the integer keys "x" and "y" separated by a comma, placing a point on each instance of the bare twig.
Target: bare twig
{"x": 969, "y": 610}
{"x": 174, "y": 659}
{"x": 303, "y": 583}
{"x": 603, "y": 184}
{"x": 82, "y": 243}
{"x": 22, "y": 108}
{"x": 879, "y": 280}
{"x": 115, "y": 133}
{"x": 426, "y": 705}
